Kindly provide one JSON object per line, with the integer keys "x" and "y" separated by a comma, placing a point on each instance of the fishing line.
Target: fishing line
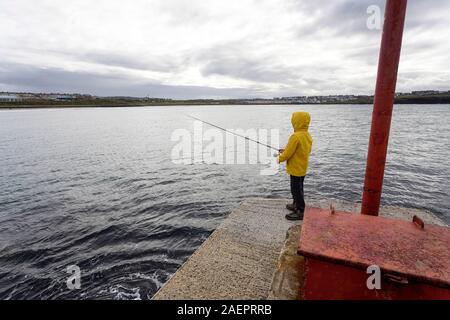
{"x": 236, "y": 134}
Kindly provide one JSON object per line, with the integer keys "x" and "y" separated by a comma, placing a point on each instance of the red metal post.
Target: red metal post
{"x": 391, "y": 43}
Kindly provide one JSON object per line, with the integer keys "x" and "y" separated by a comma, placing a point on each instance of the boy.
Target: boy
{"x": 296, "y": 154}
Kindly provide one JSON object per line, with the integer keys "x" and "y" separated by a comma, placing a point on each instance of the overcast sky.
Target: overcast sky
{"x": 212, "y": 49}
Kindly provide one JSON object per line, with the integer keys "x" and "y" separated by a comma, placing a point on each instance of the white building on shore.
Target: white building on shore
{"x": 9, "y": 98}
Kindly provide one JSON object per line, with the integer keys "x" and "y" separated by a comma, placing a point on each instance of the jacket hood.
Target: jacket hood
{"x": 300, "y": 121}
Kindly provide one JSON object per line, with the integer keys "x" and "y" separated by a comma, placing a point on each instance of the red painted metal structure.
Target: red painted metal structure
{"x": 413, "y": 258}
{"x": 389, "y": 58}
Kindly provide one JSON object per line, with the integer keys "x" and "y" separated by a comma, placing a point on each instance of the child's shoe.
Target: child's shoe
{"x": 290, "y": 206}
{"x": 295, "y": 215}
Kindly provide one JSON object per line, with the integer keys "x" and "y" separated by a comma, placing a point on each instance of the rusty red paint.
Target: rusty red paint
{"x": 383, "y": 104}
{"x": 329, "y": 281}
{"x": 398, "y": 247}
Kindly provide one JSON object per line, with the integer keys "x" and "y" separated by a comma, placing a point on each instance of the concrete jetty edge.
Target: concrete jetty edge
{"x": 252, "y": 254}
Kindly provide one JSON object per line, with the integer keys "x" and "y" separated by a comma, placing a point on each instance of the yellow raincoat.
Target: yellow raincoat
{"x": 299, "y": 146}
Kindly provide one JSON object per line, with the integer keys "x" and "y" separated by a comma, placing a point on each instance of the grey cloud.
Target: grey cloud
{"x": 136, "y": 61}
{"x": 338, "y": 18}
{"x": 33, "y": 79}
{"x": 349, "y": 66}
{"x": 420, "y": 14}
{"x": 239, "y": 61}
{"x": 242, "y": 68}
{"x": 349, "y": 17}
{"x": 160, "y": 64}
{"x": 368, "y": 55}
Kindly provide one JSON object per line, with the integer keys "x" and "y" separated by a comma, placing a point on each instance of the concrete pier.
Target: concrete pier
{"x": 252, "y": 254}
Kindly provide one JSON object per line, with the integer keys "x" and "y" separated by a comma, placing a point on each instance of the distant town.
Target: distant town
{"x": 27, "y": 99}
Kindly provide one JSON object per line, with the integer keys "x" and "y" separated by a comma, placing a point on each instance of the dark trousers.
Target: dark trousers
{"x": 297, "y": 192}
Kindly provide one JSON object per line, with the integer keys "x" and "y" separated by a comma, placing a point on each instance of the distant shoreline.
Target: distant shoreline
{"x": 174, "y": 104}
{"x": 24, "y": 100}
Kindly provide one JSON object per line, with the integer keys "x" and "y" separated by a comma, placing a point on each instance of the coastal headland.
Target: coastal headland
{"x": 10, "y": 100}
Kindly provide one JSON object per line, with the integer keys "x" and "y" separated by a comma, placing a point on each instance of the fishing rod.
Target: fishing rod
{"x": 236, "y": 134}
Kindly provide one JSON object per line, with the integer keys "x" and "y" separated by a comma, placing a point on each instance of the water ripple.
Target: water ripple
{"x": 97, "y": 188}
